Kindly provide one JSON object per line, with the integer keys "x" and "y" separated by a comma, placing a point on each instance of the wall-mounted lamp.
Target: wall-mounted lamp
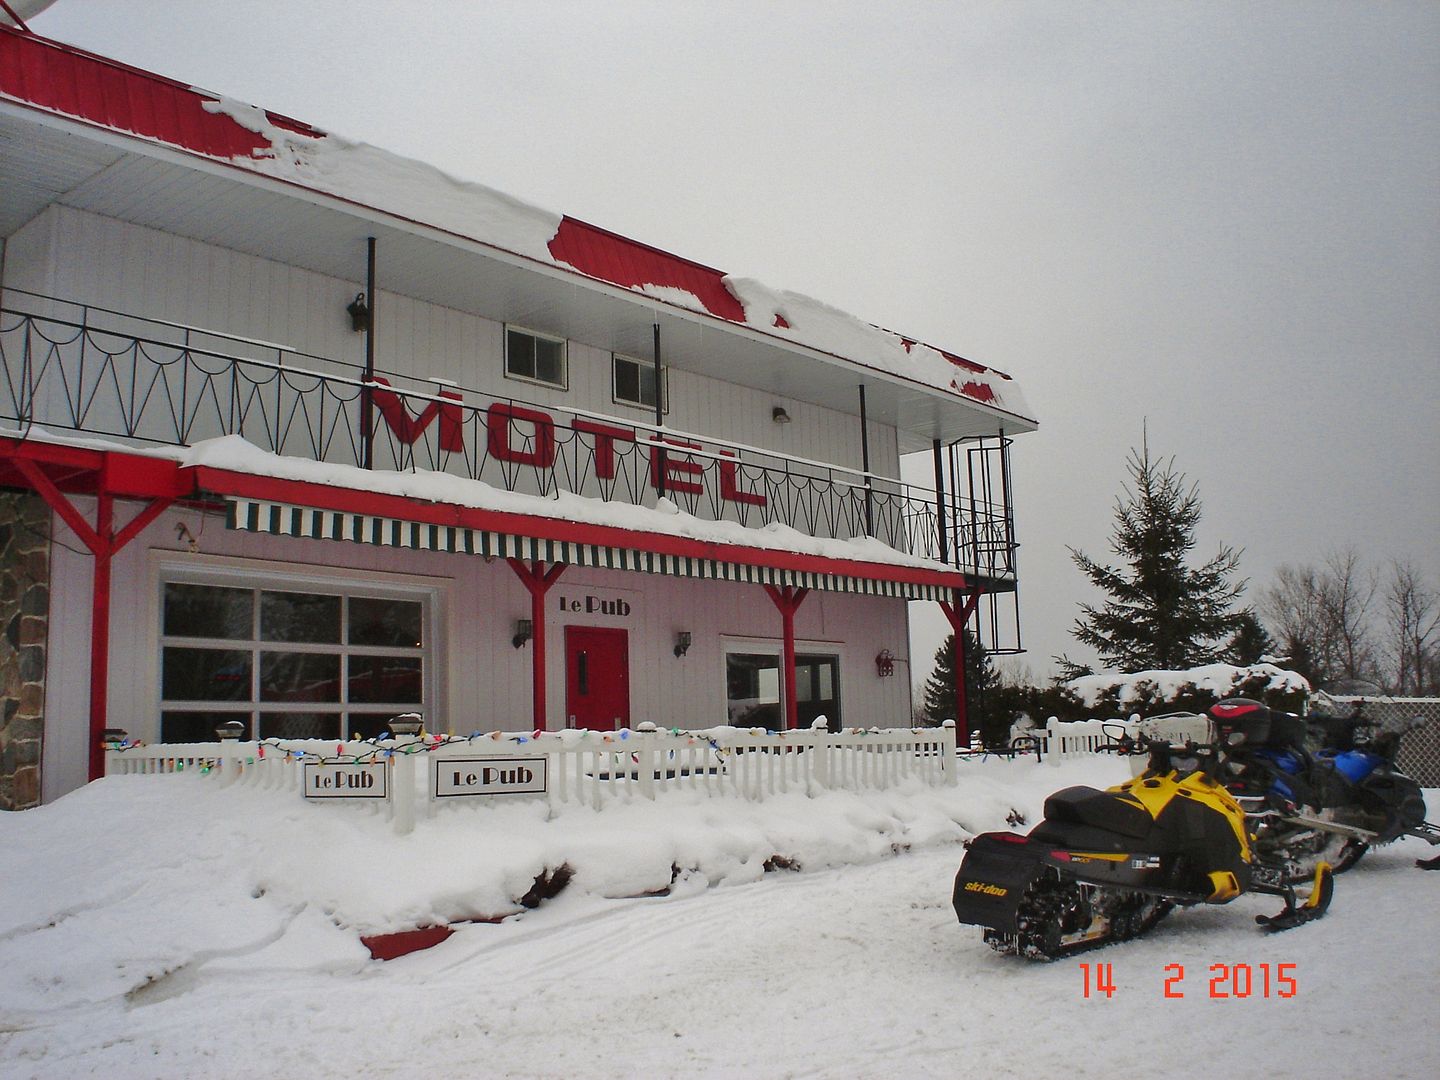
{"x": 524, "y": 631}
{"x": 682, "y": 643}
{"x": 359, "y": 314}
{"x": 779, "y": 415}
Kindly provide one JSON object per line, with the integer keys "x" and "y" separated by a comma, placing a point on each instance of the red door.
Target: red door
{"x": 597, "y": 677}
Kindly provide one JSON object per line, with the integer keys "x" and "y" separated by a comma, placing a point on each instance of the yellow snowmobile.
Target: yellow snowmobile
{"x": 1108, "y": 865}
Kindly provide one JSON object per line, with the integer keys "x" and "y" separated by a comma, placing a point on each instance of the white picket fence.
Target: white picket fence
{"x": 581, "y": 767}
{"x": 1057, "y": 739}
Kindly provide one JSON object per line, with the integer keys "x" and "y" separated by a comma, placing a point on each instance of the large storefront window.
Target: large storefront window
{"x": 288, "y": 663}
{"x": 752, "y": 689}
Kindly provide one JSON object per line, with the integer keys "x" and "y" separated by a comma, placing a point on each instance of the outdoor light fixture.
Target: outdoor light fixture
{"x": 408, "y": 723}
{"x": 779, "y": 415}
{"x": 682, "y": 643}
{"x": 524, "y": 631}
{"x": 359, "y": 314}
{"x": 231, "y": 729}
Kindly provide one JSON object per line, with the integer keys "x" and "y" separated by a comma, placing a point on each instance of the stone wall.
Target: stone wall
{"x": 24, "y": 617}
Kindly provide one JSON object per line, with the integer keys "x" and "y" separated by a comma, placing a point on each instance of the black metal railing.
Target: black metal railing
{"x": 84, "y": 369}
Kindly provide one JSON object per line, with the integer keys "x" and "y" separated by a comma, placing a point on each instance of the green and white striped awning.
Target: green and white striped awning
{"x": 282, "y": 519}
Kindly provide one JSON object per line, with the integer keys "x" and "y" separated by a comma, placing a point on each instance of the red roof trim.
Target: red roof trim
{"x": 960, "y": 361}
{"x": 64, "y": 79}
{"x": 621, "y": 261}
{"x": 978, "y": 391}
{"x": 354, "y": 501}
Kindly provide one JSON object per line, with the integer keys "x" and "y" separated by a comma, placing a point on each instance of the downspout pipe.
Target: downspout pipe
{"x": 367, "y": 392}
{"x": 865, "y": 464}
{"x": 940, "y": 526}
{"x": 659, "y": 418}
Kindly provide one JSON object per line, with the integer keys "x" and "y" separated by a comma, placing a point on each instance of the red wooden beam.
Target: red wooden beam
{"x": 103, "y": 542}
{"x": 958, "y": 619}
{"x": 15, "y": 18}
{"x": 788, "y": 599}
{"x": 537, "y": 581}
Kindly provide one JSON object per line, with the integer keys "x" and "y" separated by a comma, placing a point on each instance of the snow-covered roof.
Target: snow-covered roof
{"x": 64, "y": 80}
{"x": 221, "y": 467}
{"x": 233, "y": 454}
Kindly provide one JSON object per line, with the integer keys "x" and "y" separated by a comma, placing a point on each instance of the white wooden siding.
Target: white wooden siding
{"x": 475, "y": 613}
{"x": 97, "y": 260}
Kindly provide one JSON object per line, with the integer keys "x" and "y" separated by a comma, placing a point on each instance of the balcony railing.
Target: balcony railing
{"x": 142, "y": 382}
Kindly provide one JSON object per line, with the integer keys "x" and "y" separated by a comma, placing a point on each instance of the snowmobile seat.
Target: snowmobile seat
{"x": 1102, "y": 809}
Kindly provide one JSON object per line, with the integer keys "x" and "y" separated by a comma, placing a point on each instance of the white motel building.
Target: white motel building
{"x": 302, "y": 434}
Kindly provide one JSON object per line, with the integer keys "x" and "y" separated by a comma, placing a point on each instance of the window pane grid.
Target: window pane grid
{"x": 633, "y": 381}
{"x": 535, "y": 357}
{"x": 355, "y": 668}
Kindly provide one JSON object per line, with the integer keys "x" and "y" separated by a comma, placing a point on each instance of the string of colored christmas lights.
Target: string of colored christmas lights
{"x": 425, "y": 743}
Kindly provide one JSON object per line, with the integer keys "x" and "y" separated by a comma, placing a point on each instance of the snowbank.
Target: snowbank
{"x": 132, "y": 877}
{"x": 1148, "y": 688}
{"x": 161, "y": 927}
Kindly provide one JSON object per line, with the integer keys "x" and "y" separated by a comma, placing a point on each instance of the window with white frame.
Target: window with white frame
{"x": 633, "y": 383}
{"x": 290, "y": 662}
{"x": 535, "y": 357}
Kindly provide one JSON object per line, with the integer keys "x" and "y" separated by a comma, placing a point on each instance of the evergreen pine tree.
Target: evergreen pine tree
{"x": 1161, "y": 613}
{"x": 1250, "y": 641}
{"x": 940, "y": 687}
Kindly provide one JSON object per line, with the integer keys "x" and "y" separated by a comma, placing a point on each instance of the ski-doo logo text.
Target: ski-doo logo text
{"x": 986, "y": 888}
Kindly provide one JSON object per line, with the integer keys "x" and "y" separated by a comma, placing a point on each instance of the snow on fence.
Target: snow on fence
{"x": 414, "y": 774}
{"x": 1058, "y": 739}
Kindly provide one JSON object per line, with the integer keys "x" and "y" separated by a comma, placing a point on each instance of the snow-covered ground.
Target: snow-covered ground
{"x": 163, "y": 927}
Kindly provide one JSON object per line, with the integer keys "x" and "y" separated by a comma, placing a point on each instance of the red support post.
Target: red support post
{"x": 103, "y": 543}
{"x": 537, "y": 580}
{"x": 100, "y": 636}
{"x": 788, "y": 599}
{"x": 957, "y": 620}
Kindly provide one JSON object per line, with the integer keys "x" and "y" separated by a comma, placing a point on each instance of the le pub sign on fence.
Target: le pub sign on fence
{"x": 458, "y": 777}
{"x": 451, "y": 776}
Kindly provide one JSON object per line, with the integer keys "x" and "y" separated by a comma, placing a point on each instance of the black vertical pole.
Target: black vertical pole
{"x": 865, "y": 464}
{"x": 1005, "y": 502}
{"x": 367, "y": 395}
{"x": 659, "y": 421}
{"x": 940, "y": 501}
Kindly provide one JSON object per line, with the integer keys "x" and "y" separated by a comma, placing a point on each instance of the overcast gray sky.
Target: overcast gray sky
{"x": 1218, "y": 216}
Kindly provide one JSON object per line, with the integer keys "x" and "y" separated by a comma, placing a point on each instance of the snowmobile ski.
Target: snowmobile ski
{"x": 1297, "y": 914}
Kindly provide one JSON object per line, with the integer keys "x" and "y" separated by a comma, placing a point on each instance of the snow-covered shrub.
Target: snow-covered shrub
{"x": 1113, "y": 693}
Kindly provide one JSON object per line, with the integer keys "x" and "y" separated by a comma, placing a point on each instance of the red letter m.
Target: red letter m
{"x": 407, "y": 428}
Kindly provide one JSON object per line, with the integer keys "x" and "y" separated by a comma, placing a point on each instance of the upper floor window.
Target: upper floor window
{"x": 634, "y": 382}
{"x": 533, "y": 356}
